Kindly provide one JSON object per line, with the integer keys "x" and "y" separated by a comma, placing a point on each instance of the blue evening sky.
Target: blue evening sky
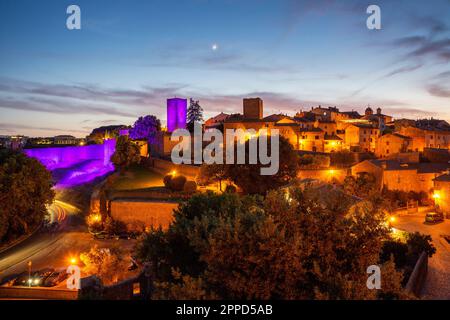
{"x": 130, "y": 56}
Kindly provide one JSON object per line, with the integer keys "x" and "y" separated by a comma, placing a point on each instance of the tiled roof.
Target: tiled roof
{"x": 332, "y": 137}
{"x": 311, "y": 130}
{"x": 394, "y": 165}
{"x": 444, "y": 178}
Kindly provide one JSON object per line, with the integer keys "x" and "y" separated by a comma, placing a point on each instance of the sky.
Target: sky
{"x": 131, "y": 55}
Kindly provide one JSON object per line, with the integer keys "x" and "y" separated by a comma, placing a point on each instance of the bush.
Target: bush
{"x": 397, "y": 249}
{"x": 190, "y": 187}
{"x": 418, "y": 243}
{"x": 167, "y": 179}
{"x": 114, "y": 226}
{"x": 230, "y": 189}
{"x": 177, "y": 183}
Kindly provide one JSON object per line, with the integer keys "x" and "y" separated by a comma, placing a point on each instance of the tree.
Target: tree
{"x": 248, "y": 176}
{"x": 210, "y": 173}
{"x": 194, "y": 114}
{"x": 25, "y": 191}
{"x": 296, "y": 247}
{"x": 146, "y": 128}
{"x": 98, "y": 135}
{"x": 126, "y": 154}
{"x": 364, "y": 185}
{"x": 107, "y": 263}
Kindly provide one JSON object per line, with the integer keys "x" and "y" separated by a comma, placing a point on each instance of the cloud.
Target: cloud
{"x": 397, "y": 71}
{"x": 434, "y": 44}
{"x": 82, "y": 98}
{"x": 439, "y": 91}
{"x": 14, "y": 127}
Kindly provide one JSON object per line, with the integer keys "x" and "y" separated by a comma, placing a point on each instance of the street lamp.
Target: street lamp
{"x": 73, "y": 260}
{"x": 29, "y": 273}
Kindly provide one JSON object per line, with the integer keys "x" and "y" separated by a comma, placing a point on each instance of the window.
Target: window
{"x": 136, "y": 288}
{"x": 387, "y": 143}
{"x": 387, "y": 151}
{"x": 317, "y": 137}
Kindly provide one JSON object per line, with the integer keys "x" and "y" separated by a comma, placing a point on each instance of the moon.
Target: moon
{"x": 215, "y": 46}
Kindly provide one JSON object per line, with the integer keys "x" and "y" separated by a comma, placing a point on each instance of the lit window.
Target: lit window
{"x": 136, "y": 288}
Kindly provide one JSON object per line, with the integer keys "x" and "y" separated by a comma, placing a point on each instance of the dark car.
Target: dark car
{"x": 34, "y": 280}
{"x": 54, "y": 278}
{"x": 102, "y": 236}
{"x": 22, "y": 279}
{"x": 433, "y": 217}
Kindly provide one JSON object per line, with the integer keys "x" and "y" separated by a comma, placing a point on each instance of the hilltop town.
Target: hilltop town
{"x": 403, "y": 154}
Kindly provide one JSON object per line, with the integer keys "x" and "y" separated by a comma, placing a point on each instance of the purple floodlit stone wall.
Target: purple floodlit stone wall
{"x": 76, "y": 165}
{"x": 176, "y": 114}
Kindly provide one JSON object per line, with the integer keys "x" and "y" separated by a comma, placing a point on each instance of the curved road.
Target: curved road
{"x": 437, "y": 285}
{"x": 39, "y": 245}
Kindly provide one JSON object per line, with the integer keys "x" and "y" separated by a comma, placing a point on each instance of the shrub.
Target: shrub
{"x": 114, "y": 226}
{"x": 167, "y": 179}
{"x": 230, "y": 189}
{"x": 417, "y": 243}
{"x": 190, "y": 187}
{"x": 177, "y": 183}
{"x": 397, "y": 249}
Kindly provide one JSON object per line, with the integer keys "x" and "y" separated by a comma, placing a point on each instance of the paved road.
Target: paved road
{"x": 437, "y": 285}
{"x": 14, "y": 260}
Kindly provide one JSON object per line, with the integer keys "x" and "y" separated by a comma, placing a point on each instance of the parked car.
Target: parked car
{"x": 433, "y": 217}
{"x": 34, "y": 280}
{"x": 54, "y": 278}
{"x": 102, "y": 235}
{"x": 22, "y": 279}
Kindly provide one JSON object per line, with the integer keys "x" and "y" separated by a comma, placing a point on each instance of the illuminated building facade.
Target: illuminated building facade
{"x": 176, "y": 114}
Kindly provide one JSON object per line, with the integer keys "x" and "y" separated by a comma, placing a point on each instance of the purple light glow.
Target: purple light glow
{"x": 76, "y": 165}
{"x": 176, "y": 114}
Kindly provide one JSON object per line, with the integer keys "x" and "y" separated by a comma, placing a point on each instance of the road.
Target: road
{"x": 437, "y": 285}
{"x": 39, "y": 246}
{"x": 54, "y": 250}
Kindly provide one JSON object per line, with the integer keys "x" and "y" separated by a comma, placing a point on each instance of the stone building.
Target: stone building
{"x": 362, "y": 137}
{"x": 395, "y": 175}
{"x": 442, "y": 193}
{"x": 391, "y": 144}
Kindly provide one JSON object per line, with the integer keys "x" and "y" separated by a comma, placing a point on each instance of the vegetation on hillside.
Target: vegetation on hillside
{"x": 25, "y": 191}
{"x": 289, "y": 245}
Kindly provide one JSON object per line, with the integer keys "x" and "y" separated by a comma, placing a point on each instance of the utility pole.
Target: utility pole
{"x": 29, "y": 273}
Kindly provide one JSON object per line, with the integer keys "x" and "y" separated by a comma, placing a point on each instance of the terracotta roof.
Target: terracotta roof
{"x": 365, "y": 125}
{"x": 311, "y": 130}
{"x": 444, "y": 178}
{"x": 332, "y": 137}
{"x": 394, "y": 165}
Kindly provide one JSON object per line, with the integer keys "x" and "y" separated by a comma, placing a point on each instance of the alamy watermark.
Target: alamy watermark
{"x": 235, "y": 139}
{"x": 73, "y": 21}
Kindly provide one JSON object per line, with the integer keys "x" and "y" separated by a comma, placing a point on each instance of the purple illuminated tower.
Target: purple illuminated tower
{"x": 176, "y": 114}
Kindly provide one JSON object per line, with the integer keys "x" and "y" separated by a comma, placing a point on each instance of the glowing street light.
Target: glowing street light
{"x": 392, "y": 219}
{"x": 73, "y": 260}
{"x": 436, "y": 195}
{"x": 173, "y": 173}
